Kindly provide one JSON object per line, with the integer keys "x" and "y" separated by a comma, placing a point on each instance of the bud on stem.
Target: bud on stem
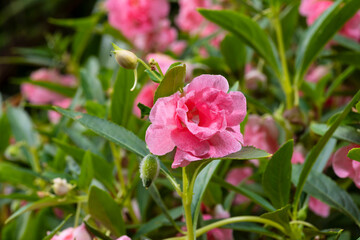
{"x": 149, "y": 169}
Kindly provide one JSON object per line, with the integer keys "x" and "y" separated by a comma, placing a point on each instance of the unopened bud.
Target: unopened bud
{"x": 126, "y": 59}
{"x": 61, "y": 187}
{"x": 152, "y": 64}
{"x": 149, "y": 169}
{"x": 13, "y": 152}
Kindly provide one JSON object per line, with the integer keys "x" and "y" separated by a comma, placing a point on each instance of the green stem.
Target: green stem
{"x": 158, "y": 67}
{"x": 285, "y": 78}
{"x": 77, "y": 214}
{"x": 223, "y": 222}
{"x": 118, "y": 160}
{"x": 187, "y": 198}
{"x": 172, "y": 181}
{"x": 298, "y": 222}
{"x": 148, "y": 68}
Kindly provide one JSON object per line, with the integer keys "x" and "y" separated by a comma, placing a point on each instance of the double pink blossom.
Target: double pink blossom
{"x": 78, "y": 233}
{"x": 344, "y": 167}
{"x": 144, "y": 22}
{"x": 39, "y": 95}
{"x": 201, "y": 122}
{"x": 312, "y": 9}
{"x": 124, "y": 238}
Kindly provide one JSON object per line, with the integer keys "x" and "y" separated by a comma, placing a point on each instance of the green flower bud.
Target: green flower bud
{"x": 126, "y": 59}
{"x": 149, "y": 169}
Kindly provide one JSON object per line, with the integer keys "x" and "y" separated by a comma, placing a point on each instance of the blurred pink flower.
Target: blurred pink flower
{"x": 298, "y": 156}
{"x": 316, "y": 73}
{"x": 235, "y": 177}
{"x": 218, "y": 233}
{"x": 202, "y": 122}
{"x": 345, "y": 167}
{"x": 54, "y": 116}
{"x": 261, "y": 133}
{"x": 146, "y": 97}
{"x": 178, "y": 47}
{"x": 40, "y": 95}
{"x": 142, "y": 21}
{"x": 78, "y": 233}
{"x": 312, "y": 9}
{"x": 253, "y": 77}
{"x": 318, "y": 207}
{"x": 124, "y": 238}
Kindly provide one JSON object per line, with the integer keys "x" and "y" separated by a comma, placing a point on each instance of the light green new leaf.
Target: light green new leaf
{"x": 246, "y": 29}
{"x": 103, "y": 208}
{"x": 172, "y": 82}
{"x": 321, "y": 32}
{"x": 109, "y": 130}
{"x": 277, "y": 176}
{"x": 354, "y": 154}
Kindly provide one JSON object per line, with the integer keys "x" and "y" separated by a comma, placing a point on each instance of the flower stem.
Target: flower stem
{"x": 285, "y": 78}
{"x": 148, "y": 68}
{"x": 77, "y": 214}
{"x": 187, "y": 198}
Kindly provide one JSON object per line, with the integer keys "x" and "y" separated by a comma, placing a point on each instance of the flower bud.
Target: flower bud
{"x": 149, "y": 169}
{"x": 126, "y": 59}
{"x": 61, "y": 187}
{"x": 14, "y": 152}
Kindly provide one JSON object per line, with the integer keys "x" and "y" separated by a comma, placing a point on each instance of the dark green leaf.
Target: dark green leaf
{"x": 87, "y": 171}
{"x": 145, "y": 110}
{"x": 277, "y": 180}
{"x": 153, "y": 75}
{"x": 53, "y": 232}
{"x": 246, "y": 29}
{"x": 109, "y": 130}
{"x": 346, "y": 133}
{"x": 321, "y": 32}
{"x": 103, "y": 208}
{"x": 95, "y": 109}
{"x": 10, "y": 173}
{"x": 354, "y": 154}
{"x": 122, "y": 97}
{"x": 347, "y": 42}
{"x": 234, "y": 53}
{"x": 348, "y": 58}
{"x": 96, "y": 232}
{"x": 91, "y": 86}
{"x": 280, "y": 216}
{"x": 172, "y": 82}
{"x": 289, "y": 19}
{"x": 5, "y": 131}
{"x": 55, "y": 87}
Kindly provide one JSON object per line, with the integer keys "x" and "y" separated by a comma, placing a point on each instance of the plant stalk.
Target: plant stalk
{"x": 186, "y": 199}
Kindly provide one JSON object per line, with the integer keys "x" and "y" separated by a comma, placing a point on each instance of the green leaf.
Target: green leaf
{"x": 10, "y": 173}
{"x": 201, "y": 183}
{"x": 280, "y": 216}
{"x": 87, "y": 171}
{"x": 326, "y": 190}
{"x": 96, "y": 232}
{"x": 21, "y": 126}
{"x": 53, "y": 232}
{"x": 109, "y": 130}
{"x": 91, "y": 86}
{"x": 145, "y": 110}
{"x": 122, "y": 97}
{"x": 157, "y": 222}
{"x": 5, "y": 130}
{"x": 354, "y": 154}
{"x": 95, "y": 109}
{"x": 347, "y": 42}
{"x": 247, "y": 30}
{"x": 234, "y": 53}
{"x": 102, "y": 169}
{"x": 103, "y": 208}
{"x": 55, "y": 87}
{"x": 277, "y": 180}
{"x": 44, "y": 203}
{"x": 348, "y": 58}
{"x": 244, "y": 191}
{"x": 321, "y": 32}
{"x": 289, "y": 20}
{"x": 172, "y": 82}
{"x": 153, "y": 75}
{"x": 346, "y": 133}
{"x": 246, "y": 153}
{"x": 250, "y": 227}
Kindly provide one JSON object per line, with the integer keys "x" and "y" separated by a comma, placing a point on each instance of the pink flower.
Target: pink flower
{"x": 261, "y": 133}
{"x": 55, "y": 116}
{"x": 312, "y": 9}
{"x": 235, "y": 177}
{"x": 202, "y": 122}
{"x": 318, "y": 207}
{"x": 78, "y": 233}
{"x": 218, "y": 233}
{"x": 178, "y": 47}
{"x": 316, "y": 73}
{"x": 40, "y": 95}
{"x": 345, "y": 167}
{"x": 298, "y": 156}
{"x": 124, "y": 238}
{"x": 253, "y": 77}
{"x": 142, "y": 21}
